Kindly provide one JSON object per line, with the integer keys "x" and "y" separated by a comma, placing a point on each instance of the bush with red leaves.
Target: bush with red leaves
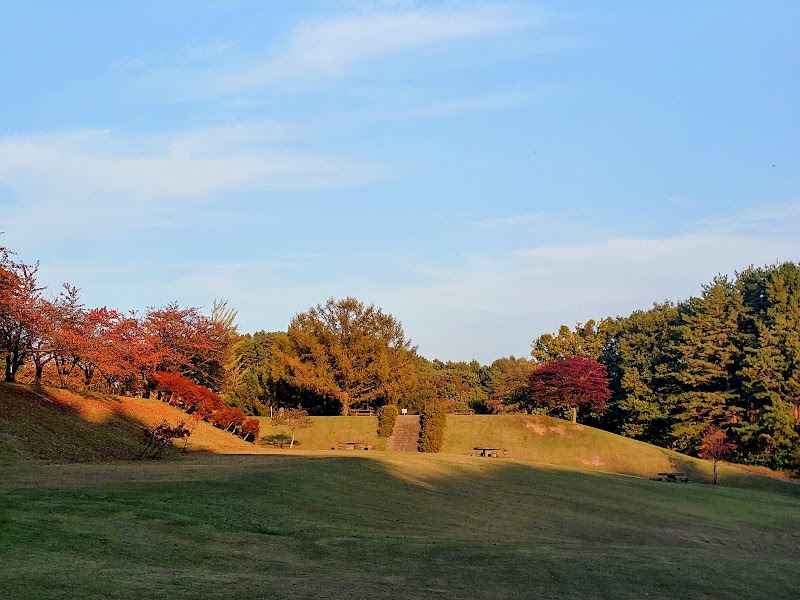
{"x": 228, "y": 418}
{"x": 250, "y": 430}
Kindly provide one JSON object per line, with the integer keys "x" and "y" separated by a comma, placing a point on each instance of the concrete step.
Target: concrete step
{"x": 405, "y": 435}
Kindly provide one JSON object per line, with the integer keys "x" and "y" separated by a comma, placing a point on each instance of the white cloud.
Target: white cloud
{"x": 325, "y": 49}
{"x": 322, "y": 50}
{"x": 178, "y": 164}
{"x": 512, "y": 220}
{"x": 497, "y": 305}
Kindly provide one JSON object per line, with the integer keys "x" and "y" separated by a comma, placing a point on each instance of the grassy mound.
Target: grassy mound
{"x": 539, "y": 439}
{"x": 381, "y": 525}
{"x": 66, "y": 426}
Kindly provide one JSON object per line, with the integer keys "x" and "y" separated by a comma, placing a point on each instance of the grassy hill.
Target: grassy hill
{"x": 67, "y": 426}
{"x": 369, "y": 525}
{"x": 534, "y": 438}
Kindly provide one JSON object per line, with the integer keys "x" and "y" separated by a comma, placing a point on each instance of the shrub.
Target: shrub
{"x": 387, "y": 415}
{"x": 250, "y": 429}
{"x": 186, "y": 394}
{"x": 228, "y": 418}
{"x": 432, "y": 422}
{"x": 158, "y": 437}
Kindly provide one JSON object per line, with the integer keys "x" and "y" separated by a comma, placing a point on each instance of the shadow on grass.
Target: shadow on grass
{"x": 279, "y": 440}
{"x": 39, "y": 423}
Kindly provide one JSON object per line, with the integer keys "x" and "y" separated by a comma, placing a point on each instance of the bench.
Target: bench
{"x": 673, "y": 477}
{"x": 488, "y": 452}
{"x": 352, "y": 446}
{"x": 463, "y": 411}
{"x": 363, "y": 412}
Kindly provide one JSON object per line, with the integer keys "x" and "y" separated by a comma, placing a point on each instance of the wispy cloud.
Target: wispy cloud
{"x": 330, "y": 48}
{"x": 180, "y": 164}
{"x": 512, "y": 220}
{"x": 321, "y": 50}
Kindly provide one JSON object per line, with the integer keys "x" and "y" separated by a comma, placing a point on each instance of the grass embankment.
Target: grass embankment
{"x": 380, "y": 525}
{"x": 326, "y": 432}
{"x": 67, "y": 426}
{"x": 533, "y": 438}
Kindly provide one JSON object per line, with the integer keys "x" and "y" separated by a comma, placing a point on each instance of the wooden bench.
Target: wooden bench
{"x": 463, "y": 411}
{"x": 352, "y": 446}
{"x": 673, "y": 477}
{"x": 363, "y": 412}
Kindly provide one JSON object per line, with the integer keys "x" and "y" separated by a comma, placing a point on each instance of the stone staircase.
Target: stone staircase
{"x": 405, "y": 435}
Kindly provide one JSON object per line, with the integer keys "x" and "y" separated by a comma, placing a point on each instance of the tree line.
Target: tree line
{"x": 725, "y": 361}
{"x": 177, "y": 353}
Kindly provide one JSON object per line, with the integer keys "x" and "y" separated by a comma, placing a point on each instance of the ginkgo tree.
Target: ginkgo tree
{"x": 348, "y": 352}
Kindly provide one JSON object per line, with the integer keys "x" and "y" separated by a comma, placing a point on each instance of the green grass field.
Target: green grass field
{"x": 389, "y": 526}
{"x": 352, "y": 525}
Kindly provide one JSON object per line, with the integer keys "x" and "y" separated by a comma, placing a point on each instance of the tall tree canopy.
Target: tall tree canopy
{"x": 570, "y": 383}
{"x": 348, "y": 353}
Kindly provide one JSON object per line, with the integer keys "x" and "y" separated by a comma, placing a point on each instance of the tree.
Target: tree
{"x": 586, "y": 340}
{"x": 387, "y": 415}
{"x": 257, "y": 379}
{"x": 570, "y": 382}
{"x": 709, "y": 362}
{"x": 228, "y": 418}
{"x": 293, "y": 419}
{"x": 348, "y": 353}
{"x": 190, "y": 343}
{"x": 510, "y": 384}
{"x": 771, "y": 369}
{"x": 715, "y": 446}
{"x": 641, "y": 357}
{"x": 432, "y": 421}
{"x": 21, "y": 305}
{"x": 250, "y": 430}
{"x": 186, "y": 394}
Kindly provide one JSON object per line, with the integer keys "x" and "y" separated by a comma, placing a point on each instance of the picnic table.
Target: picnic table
{"x": 352, "y": 445}
{"x": 673, "y": 477}
{"x": 488, "y": 451}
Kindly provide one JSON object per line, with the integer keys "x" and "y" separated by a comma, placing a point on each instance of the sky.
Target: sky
{"x": 483, "y": 171}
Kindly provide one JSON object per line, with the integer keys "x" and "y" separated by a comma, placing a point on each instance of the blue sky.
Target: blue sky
{"x": 484, "y": 171}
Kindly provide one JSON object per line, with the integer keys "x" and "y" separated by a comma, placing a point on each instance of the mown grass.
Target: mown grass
{"x": 385, "y": 526}
{"x": 326, "y": 432}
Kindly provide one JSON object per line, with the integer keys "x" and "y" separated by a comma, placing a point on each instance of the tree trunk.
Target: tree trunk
{"x": 575, "y": 414}
{"x": 37, "y": 379}
{"x": 715, "y": 472}
{"x": 291, "y": 444}
{"x": 9, "y": 372}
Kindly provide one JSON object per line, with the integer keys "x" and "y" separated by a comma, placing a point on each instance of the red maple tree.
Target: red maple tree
{"x": 569, "y": 382}
{"x": 715, "y": 446}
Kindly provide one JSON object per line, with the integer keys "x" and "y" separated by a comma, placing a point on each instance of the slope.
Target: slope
{"x": 67, "y": 426}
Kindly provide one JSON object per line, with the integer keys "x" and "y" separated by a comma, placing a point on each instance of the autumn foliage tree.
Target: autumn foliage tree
{"x": 21, "y": 311}
{"x": 186, "y": 394}
{"x": 161, "y": 435}
{"x": 716, "y": 446}
{"x": 348, "y": 352}
{"x": 569, "y": 383}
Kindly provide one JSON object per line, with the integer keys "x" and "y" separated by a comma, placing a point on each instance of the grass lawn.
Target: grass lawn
{"x": 385, "y": 526}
